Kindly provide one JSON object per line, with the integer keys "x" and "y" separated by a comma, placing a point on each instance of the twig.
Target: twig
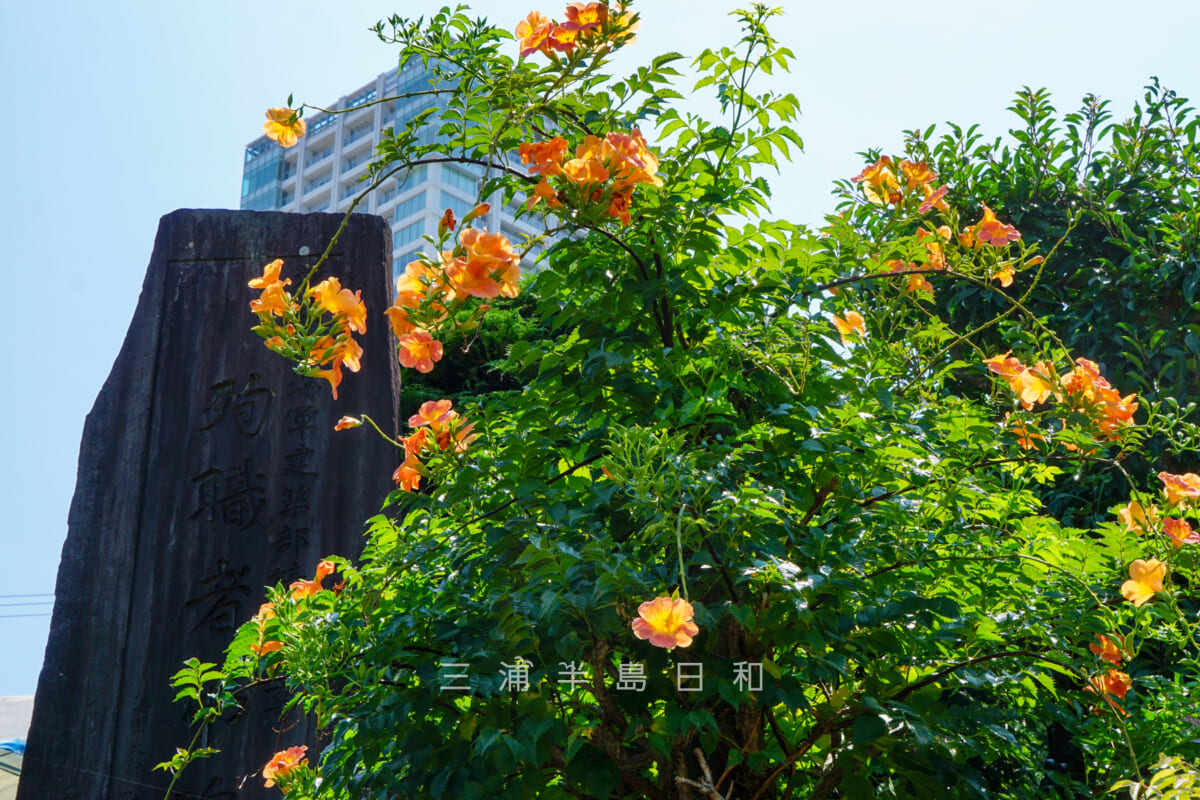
{"x": 705, "y": 786}
{"x": 509, "y": 502}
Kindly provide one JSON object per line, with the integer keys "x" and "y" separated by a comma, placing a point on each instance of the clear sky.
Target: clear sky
{"x": 121, "y": 111}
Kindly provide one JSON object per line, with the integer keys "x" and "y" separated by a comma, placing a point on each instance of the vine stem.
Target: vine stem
{"x": 679, "y": 551}
{"x": 175, "y": 777}
{"x": 389, "y": 439}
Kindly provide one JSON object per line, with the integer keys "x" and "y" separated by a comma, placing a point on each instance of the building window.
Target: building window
{"x": 407, "y": 109}
{"x": 516, "y": 204}
{"x": 266, "y": 201}
{"x": 362, "y": 98}
{"x": 405, "y": 180}
{"x": 261, "y": 176}
{"x": 358, "y": 133}
{"x": 354, "y": 161}
{"x": 459, "y": 179}
{"x": 320, "y": 123}
{"x": 513, "y": 235}
{"x": 261, "y": 148}
{"x": 409, "y": 207}
{"x": 414, "y": 78}
{"x": 408, "y": 235}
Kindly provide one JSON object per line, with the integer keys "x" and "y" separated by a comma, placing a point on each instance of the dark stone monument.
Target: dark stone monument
{"x": 207, "y": 470}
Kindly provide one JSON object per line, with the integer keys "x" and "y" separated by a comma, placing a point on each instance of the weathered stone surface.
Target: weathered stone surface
{"x": 207, "y": 470}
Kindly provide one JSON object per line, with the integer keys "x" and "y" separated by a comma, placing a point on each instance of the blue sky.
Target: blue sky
{"x": 119, "y": 112}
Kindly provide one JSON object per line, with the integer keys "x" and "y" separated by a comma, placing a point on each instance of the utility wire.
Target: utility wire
{"x": 110, "y": 776}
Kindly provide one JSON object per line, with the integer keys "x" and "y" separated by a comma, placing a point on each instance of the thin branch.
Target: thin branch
{"x": 877, "y": 275}
{"x": 991, "y": 462}
{"x": 706, "y": 786}
{"x": 481, "y": 162}
{"x": 641, "y": 265}
{"x": 937, "y": 676}
{"x": 406, "y": 95}
{"x": 819, "y": 500}
{"x": 510, "y": 501}
{"x": 621, "y": 243}
{"x": 774, "y": 723}
{"x": 814, "y": 735}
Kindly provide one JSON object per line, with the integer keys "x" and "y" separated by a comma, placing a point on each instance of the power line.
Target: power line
{"x": 15, "y": 596}
{"x": 15, "y": 616}
{"x": 110, "y": 776}
{"x": 31, "y": 603}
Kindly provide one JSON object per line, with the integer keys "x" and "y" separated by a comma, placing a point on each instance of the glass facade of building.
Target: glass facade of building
{"x": 261, "y": 176}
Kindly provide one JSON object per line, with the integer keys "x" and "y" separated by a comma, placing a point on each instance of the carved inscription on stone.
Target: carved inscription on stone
{"x": 208, "y": 470}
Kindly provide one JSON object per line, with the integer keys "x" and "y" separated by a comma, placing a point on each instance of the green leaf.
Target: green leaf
{"x": 868, "y": 728}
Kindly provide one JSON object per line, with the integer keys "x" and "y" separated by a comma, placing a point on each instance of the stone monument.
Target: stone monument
{"x": 207, "y": 470}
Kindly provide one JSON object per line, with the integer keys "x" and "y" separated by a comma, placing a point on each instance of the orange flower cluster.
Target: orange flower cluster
{"x": 1180, "y": 490}
{"x": 882, "y": 186}
{"x": 888, "y": 184}
{"x": 483, "y": 265}
{"x": 299, "y": 328}
{"x": 911, "y": 183}
{"x": 263, "y": 646}
{"x": 1140, "y": 521}
{"x": 273, "y": 300}
{"x": 1004, "y": 271}
{"x": 1108, "y": 650}
{"x": 1145, "y": 581}
{"x": 602, "y": 175}
{"x": 666, "y": 622}
{"x": 1113, "y": 682}
{"x": 989, "y": 231}
{"x": 1087, "y": 391}
{"x": 284, "y": 762}
{"x": 1031, "y": 384}
{"x": 916, "y": 283}
{"x": 487, "y": 266}
{"x": 589, "y": 26}
{"x": 1026, "y": 437}
{"x": 1137, "y": 519}
{"x": 1179, "y": 494}
{"x": 439, "y": 429}
{"x": 853, "y": 326}
{"x": 284, "y": 125}
{"x": 302, "y": 589}
{"x": 1180, "y": 531}
{"x": 1110, "y": 684}
{"x": 1082, "y": 388}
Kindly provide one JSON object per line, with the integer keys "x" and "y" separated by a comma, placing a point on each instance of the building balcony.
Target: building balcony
{"x": 317, "y": 183}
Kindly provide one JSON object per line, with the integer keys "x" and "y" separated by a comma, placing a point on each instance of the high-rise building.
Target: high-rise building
{"x": 322, "y": 172}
